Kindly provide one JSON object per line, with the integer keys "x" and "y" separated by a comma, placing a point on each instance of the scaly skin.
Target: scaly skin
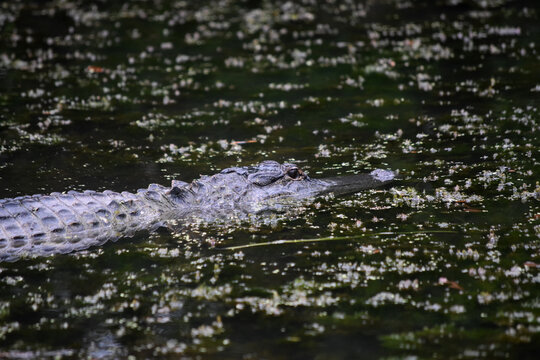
{"x": 60, "y": 223}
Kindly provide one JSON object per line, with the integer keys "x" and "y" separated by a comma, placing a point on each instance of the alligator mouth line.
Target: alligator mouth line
{"x": 342, "y": 185}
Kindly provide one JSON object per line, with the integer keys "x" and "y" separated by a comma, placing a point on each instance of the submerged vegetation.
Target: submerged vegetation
{"x": 117, "y": 95}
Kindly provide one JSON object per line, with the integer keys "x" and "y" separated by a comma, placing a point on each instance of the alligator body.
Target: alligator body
{"x": 64, "y": 222}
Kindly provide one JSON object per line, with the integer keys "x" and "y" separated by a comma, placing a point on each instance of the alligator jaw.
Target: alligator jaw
{"x": 353, "y": 183}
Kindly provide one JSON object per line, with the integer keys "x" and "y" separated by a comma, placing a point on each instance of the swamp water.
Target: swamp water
{"x": 444, "y": 264}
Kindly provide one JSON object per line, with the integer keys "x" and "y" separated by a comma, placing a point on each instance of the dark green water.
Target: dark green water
{"x": 112, "y": 95}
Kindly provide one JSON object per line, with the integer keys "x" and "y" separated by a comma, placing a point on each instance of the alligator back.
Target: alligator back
{"x": 61, "y": 223}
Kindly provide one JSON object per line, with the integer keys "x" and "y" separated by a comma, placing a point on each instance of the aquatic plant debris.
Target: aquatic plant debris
{"x": 337, "y": 238}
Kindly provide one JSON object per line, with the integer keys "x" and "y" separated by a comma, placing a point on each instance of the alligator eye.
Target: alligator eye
{"x": 293, "y": 173}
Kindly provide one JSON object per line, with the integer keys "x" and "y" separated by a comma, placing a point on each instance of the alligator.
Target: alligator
{"x": 40, "y": 225}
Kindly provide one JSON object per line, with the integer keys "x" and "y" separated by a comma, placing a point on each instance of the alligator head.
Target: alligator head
{"x": 268, "y": 186}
